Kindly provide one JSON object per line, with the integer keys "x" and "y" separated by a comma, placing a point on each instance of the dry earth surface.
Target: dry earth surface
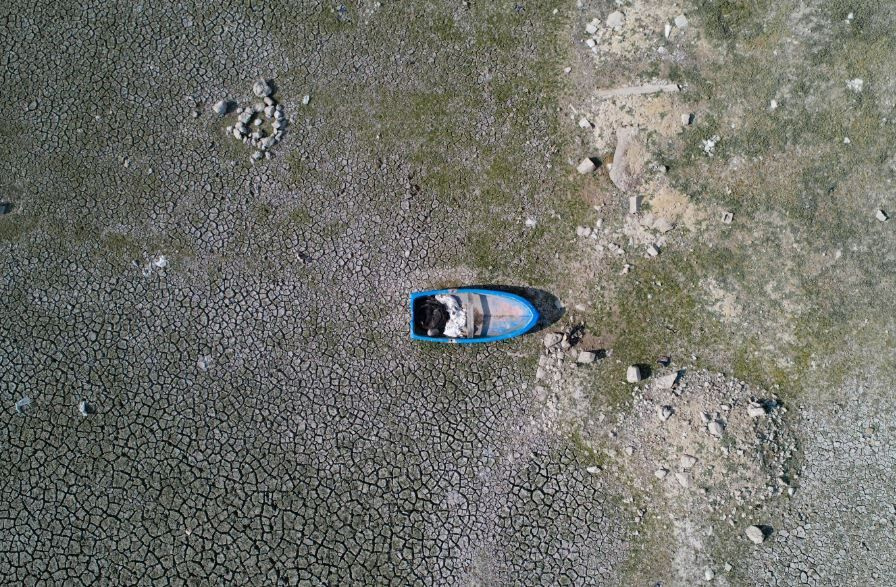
{"x": 206, "y": 376}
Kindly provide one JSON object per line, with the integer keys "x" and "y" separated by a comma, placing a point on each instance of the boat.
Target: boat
{"x": 491, "y": 315}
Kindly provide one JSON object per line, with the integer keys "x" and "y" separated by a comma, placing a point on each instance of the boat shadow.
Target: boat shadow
{"x": 549, "y": 307}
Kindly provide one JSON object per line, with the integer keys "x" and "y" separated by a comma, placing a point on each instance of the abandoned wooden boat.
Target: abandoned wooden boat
{"x": 484, "y": 315}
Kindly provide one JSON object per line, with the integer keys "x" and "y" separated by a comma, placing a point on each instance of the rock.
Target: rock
{"x": 552, "y": 339}
{"x": 683, "y": 479}
{"x": 236, "y": 133}
{"x": 628, "y": 160}
{"x": 269, "y": 111}
{"x": 634, "y": 204}
{"x": 882, "y": 216}
{"x": 629, "y": 450}
{"x": 687, "y": 461}
{"x": 268, "y": 101}
{"x": 278, "y": 124}
{"x": 665, "y": 412}
{"x": 727, "y": 217}
{"x": 653, "y": 251}
{"x": 23, "y": 404}
{"x": 663, "y": 226}
{"x": 221, "y": 107}
{"x": 667, "y": 381}
{"x": 586, "y": 357}
{"x": 686, "y": 119}
{"x": 160, "y": 262}
{"x": 306, "y": 99}
{"x": 633, "y": 374}
{"x": 709, "y": 145}
{"x": 681, "y": 21}
{"x": 755, "y": 534}
{"x": 268, "y": 142}
{"x": 591, "y": 27}
{"x": 667, "y": 30}
{"x": 585, "y": 123}
{"x": 583, "y": 231}
{"x": 755, "y": 410}
{"x": 716, "y": 428}
{"x": 586, "y": 166}
{"x": 855, "y": 85}
{"x": 593, "y": 469}
{"x": 257, "y": 155}
{"x": 261, "y": 89}
{"x": 728, "y": 568}
{"x": 245, "y": 116}
{"x": 661, "y": 473}
{"x": 83, "y": 407}
{"x": 615, "y": 19}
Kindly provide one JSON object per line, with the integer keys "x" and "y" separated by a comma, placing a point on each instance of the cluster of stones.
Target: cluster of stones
{"x": 250, "y": 119}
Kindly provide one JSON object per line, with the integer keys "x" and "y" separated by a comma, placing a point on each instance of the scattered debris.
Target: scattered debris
{"x": 615, "y": 20}
{"x": 665, "y": 412}
{"x": 552, "y": 339}
{"x": 727, "y": 217}
{"x": 709, "y": 145}
{"x": 586, "y": 166}
{"x": 637, "y": 90}
{"x": 633, "y": 374}
{"x": 84, "y": 408}
{"x": 882, "y": 216}
{"x": 755, "y": 534}
{"x": 221, "y": 107}
{"x": 23, "y": 404}
{"x": 634, "y": 204}
{"x": 855, "y": 85}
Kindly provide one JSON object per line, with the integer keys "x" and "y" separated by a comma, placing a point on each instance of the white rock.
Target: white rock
{"x": 267, "y": 143}
{"x": 681, "y": 21}
{"x": 585, "y": 123}
{"x": 716, "y": 428}
{"x": 586, "y": 357}
{"x": 855, "y": 85}
{"x": 23, "y": 404}
{"x": 269, "y": 111}
{"x": 634, "y": 204}
{"x": 667, "y": 30}
{"x": 552, "y": 339}
{"x": 882, "y": 216}
{"x": 773, "y": 105}
{"x": 583, "y": 231}
{"x": 591, "y": 28}
{"x": 615, "y": 19}
{"x": 661, "y": 473}
{"x": 709, "y": 145}
{"x": 83, "y": 407}
{"x": 667, "y": 381}
{"x": 633, "y": 374}
{"x": 664, "y": 412}
{"x": 268, "y": 101}
{"x": 220, "y": 108}
{"x": 686, "y": 118}
{"x": 653, "y": 251}
{"x": 531, "y": 222}
{"x": 586, "y": 166}
{"x": 245, "y": 116}
{"x": 257, "y": 155}
{"x": 755, "y": 534}
{"x": 755, "y": 410}
{"x": 591, "y": 43}
{"x": 161, "y": 261}
{"x": 683, "y": 479}
{"x": 306, "y": 99}
{"x": 261, "y": 89}
{"x": 593, "y": 469}
{"x": 663, "y": 226}
{"x": 727, "y": 217}
{"x": 687, "y": 461}
{"x": 708, "y": 574}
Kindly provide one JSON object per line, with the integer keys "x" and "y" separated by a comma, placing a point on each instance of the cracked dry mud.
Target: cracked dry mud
{"x": 205, "y": 374}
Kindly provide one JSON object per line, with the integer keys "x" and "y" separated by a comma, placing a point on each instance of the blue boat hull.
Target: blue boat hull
{"x": 498, "y": 315}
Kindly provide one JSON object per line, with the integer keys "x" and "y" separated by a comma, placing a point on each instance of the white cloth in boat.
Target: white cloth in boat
{"x": 457, "y": 316}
